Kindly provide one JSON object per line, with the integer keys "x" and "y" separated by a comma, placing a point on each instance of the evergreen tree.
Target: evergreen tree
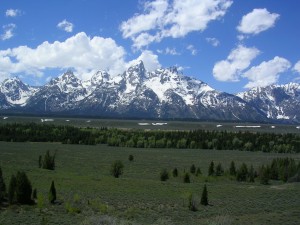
{"x": 204, "y": 197}
{"x": 242, "y": 173}
{"x": 219, "y": 170}
{"x": 49, "y": 161}
{"x": 12, "y": 189}
{"x": 186, "y": 178}
{"x": 251, "y": 174}
{"x": 40, "y": 161}
{"x": 198, "y": 171}
{"x": 232, "y": 170}
{"x": 34, "y": 194}
{"x": 211, "y": 169}
{"x": 175, "y": 172}
{"x": 23, "y": 188}
{"x": 130, "y": 158}
{"x": 264, "y": 175}
{"x": 2, "y": 186}
{"x": 193, "y": 169}
{"x": 164, "y": 175}
{"x": 117, "y": 168}
{"x": 52, "y": 193}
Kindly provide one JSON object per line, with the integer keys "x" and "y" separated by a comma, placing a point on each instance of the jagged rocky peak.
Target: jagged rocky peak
{"x": 99, "y": 78}
{"x": 13, "y": 83}
{"x": 136, "y": 70}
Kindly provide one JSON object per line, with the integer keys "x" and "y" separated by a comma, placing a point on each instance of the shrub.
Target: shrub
{"x": 186, "y": 178}
{"x": 242, "y": 173}
{"x": 211, "y": 169}
{"x": 193, "y": 169}
{"x": 117, "y": 168}
{"x": 34, "y": 194}
{"x": 219, "y": 170}
{"x": 264, "y": 175}
{"x": 232, "y": 170}
{"x": 49, "y": 161}
{"x": 175, "y": 172}
{"x": 12, "y": 189}
{"x": 198, "y": 171}
{"x": 164, "y": 175}
{"x": 192, "y": 203}
{"x": 130, "y": 158}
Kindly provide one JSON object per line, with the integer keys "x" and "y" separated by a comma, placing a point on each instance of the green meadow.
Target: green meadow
{"x": 88, "y": 194}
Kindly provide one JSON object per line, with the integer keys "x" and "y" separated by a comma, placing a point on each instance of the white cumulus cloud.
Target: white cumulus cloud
{"x": 257, "y": 21}
{"x": 66, "y": 26}
{"x": 149, "y": 59}
{"x": 296, "y": 67}
{"x": 12, "y": 12}
{"x": 237, "y": 61}
{"x": 8, "y": 31}
{"x": 81, "y": 52}
{"x": 162, "y": 18}
{"x": 267, "y": 72}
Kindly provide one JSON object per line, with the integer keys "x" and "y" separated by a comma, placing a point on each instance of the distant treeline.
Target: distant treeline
{"x": 197, "y": 139}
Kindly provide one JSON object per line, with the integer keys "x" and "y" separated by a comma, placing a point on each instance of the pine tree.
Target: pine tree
{"x": 186, "y": 178}
{"x": 242, "y": 173}
{"x": 164, "y": 175}
{"x": 219, "y": 170}
{"x": 211, "y": 169}
{"x": 52, "y": 193}
{"x": 40, "y": 161}
{"x": 175, "y": 172}
{"x": 198, "y": 171}
{"x": 23, "y": 188}
{"x": 130, "y": 158}
{"x": 232, "y": 170}
{"x": 49, "y": 161}
{"x": 204, "y": 197}
{"x": 34, "y": 194}
{"x": 251, "y": 174}
{"x": 12, "y": 189}
{"x": 2, "y": 186}
{"x": 193, "y": 169}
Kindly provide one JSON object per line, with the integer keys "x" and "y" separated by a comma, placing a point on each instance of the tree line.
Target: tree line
{"x": 196, "y": 139}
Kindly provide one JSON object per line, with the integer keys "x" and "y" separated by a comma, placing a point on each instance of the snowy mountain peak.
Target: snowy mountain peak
{"x": 99, "y": 78}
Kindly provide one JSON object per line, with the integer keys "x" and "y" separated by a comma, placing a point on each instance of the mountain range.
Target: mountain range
{"x": 138, "y": 93}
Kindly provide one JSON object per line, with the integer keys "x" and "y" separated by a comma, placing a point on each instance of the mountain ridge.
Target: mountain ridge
{"x": 163, "y": 93}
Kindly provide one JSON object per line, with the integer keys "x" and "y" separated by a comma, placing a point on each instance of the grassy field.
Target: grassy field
{"x": 84, "y": 184}
{"x": 155, "y": 125}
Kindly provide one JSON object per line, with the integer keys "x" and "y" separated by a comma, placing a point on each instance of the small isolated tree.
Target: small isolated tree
{"x": 2, "y": 186}
{"x": 242, "y": 173}
{"x": 251, "y": 174}
{"x": 198, "y": 172}
{"x": 232, "y": 170}
{"x": 186, "y": 178}
{"x": 52, "y": 193}
{"x": 193, "y": 169}
{"x": 130, "y": 158}
{"x": 211, "y": 169}
{"x": 204, "y": 197}
{"x": 40, "y": 161}
{"x": 117, "y": 168}
{"x": 164, "y": 175}
{"x": 175, "y": 172}
{"x": 219, "y": 170}
{"x": 264, "y": 175}
{"x": 49, "y": 161}
{"x": 12, "y": 189}
{"x": 23, "y": 188}
{"x": 192, "y": 203}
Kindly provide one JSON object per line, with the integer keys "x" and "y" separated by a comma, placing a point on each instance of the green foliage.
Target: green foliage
{"x": 72, "y": 209}
{"x": 130, "y": 158}
{"x": 164, "y": 175}
{"x": 264, "y": 175}
{"x": 232, "y": 170}
{"x": 23, "y": 188}
{"x": 40, "y": 161}
{"x": 12, "y": 189}
{"x": 2, "y": 186}
{"x": 117, "y": 168}
{"x": 198, "y": 171}
{"x": 219, "y": 170}
{"x": 175, "y": 172}
{"x": 242, "y": 173}
{"x": 251, "y": 174}
{"x": 40, "y": 201}
{"x": 52, "y": 193}
{"x": 49, "y": 161}
{"x": 186, "y": 178}
{"x": 211, "y": 169}
{"x": 193, "y": 169}
{"x": 204, "y": 196}
{"x": 34, "y": 194}
{"x": 192, "y": 203}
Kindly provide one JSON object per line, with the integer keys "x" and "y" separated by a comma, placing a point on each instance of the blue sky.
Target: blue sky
{"x": 231, "y": 45}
